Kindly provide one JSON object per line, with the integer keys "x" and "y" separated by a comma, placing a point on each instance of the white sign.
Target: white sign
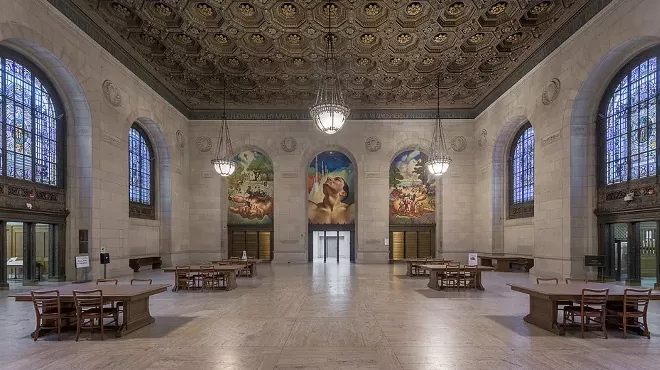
{"x": 472, "y": 259}
{"x": 102, "y": 249}
{"x": 244, "y": 258}
{"x": 82, "y": 261}
{"x": 387, "y": 241}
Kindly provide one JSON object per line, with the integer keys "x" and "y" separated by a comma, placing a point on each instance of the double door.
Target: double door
{"x": 331, "y": 243}
{"x": 631, "y": 252}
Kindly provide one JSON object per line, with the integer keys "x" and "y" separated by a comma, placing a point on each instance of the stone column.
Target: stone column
{"x": 3, "y": 255}
{"x": 30, "y": 253}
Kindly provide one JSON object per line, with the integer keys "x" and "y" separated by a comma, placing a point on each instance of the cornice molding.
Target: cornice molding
{"x": 129, "y": 59}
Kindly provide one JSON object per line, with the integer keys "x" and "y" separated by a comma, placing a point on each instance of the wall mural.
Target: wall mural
{"x": 250, "y": 190}
{"x": 412, "y": 190}
{"x": 331, "y": 189}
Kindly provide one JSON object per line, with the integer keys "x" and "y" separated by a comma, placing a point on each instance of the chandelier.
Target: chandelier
{"x": 224, "y": 162}
{"x": 329, "y": 112}
{"x": 440, "y": 160}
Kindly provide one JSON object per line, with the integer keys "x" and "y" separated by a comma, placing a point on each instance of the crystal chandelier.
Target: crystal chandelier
{"x": 440, "y": 160}
{"x": 224, "y": 162}
{"x": 329, "y": 112}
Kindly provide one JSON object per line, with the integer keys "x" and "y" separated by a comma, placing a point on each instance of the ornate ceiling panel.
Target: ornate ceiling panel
{"x": 390, "y": 51}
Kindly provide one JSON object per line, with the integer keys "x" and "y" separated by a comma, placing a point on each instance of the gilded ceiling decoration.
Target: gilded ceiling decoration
{"x": 390, "y": 52}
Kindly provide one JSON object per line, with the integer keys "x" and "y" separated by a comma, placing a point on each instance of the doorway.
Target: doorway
{"x": 15, "y": 247}
{"x": 411, "y": 242}
{"x": 256, "y": 243}
{"x": 631, "y": 252}
{"x": 331, "y": 243}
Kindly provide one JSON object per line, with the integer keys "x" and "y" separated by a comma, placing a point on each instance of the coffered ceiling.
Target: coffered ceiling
{"x": 270, "y": 53}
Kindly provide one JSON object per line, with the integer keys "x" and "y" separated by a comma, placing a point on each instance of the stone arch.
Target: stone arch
{"x": 79, "y": 175}
{"x": 583, "y": 152}
{"x": 409, "y": 144}
{"x": 499, "y": 185}
{"x": 164, "y": 175}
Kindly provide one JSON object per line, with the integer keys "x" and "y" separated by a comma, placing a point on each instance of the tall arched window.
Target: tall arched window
{"x": 521, "y": 174}
{"x": 31, "y": 131}
{"x": 628, "y": 122}
{"x": 140, "y": 174}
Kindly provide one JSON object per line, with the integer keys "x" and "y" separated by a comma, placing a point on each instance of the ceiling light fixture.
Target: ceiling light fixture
{"x": 329, "y": 112}
{"x": 224, "y": 162}
{"x": 440, "y": 160}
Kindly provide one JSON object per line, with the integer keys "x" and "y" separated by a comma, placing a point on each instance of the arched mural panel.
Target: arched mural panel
{"x": 331, "y": 189}
{"x": 412, "y": 190}
{"x": 250, "y": 190}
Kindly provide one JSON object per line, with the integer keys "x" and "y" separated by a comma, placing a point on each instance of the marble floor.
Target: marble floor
{"x": 331, "y": 316}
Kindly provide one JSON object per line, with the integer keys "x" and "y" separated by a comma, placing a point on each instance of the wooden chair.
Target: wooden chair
{"x": 107, "y": 281}
{"x": 592, "y": 308}
{"x": 547, "y": 280}
{"x": 452, "y": 275}
{"x": 209, "y": 277}
{"x": 90, "y": 306}
{"x": 635, "y": 306}
{"x": 183, "y": 278}
{"x": 141, "y": 281}
{"x": 47, "y": 306}
{"x": 577, "y": 280}
{"x": 470, "y": 276}
{"x": 245, "y": 270}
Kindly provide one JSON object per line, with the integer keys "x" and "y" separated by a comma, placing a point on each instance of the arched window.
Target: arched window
{"x": 140, "y": 174}
{"x": 628, "y": 122}
{"x": 32, "y": 137}
{"x": 521, "y": 174}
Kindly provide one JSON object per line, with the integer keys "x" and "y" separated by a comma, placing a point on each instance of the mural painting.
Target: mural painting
{"x": 250, "y": 190}
{"x": 412, "y": 190}
{"x": 331, "y": 189}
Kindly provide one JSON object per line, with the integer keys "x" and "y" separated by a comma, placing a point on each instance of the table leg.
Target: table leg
{"x": 136, "y": 316}
{"x": 478, "y": 281}
{"x": 433, "y": 280}
{"x": 254, "y": 269}
{"x": 543, "y": 313}
{"x": 231, "y": 281}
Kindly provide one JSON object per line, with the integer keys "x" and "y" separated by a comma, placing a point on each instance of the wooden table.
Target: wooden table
{"x": 135, "y": 299}
{"x": 251, "y": 262}
{"x": 229, "y": 270}
{"x": 436, "y": 269}
{"x": 543, "y": 300}
{"x": 504, "y": 263}
{"x": 419, "y": 261}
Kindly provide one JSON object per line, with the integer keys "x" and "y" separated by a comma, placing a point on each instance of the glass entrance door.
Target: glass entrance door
{"x": 648, "y": 232}
{"x": 331, "y": 245}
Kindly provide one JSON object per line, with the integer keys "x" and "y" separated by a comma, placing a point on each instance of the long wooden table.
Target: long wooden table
{"x": 251, "y": 263}
{"x": 543, "y": 300}
{"x": 229, "y": 270}
{"x": 437, "y": 269}
{"x": 135, "y": 299}
{"x": 419, "y": 261}
{"x": 505, "y": 263}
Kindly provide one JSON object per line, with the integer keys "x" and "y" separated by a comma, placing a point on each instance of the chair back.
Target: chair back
{"x": 182, "y": 271}
{"x": 45, "y": 301}
{"x": 547, "y": 280}
{"x": 451, "y": 264}
{"x": 207, "y": 270}
{"x": 107, "y": 281}
{"x": 86, "y": 299}
{"x": 594, "y": 297}
{"x": 636, "y": 299}
{"x": 233, "y": 258}
{"x": 577, "y": 280}
{"x": 141, "y": 281}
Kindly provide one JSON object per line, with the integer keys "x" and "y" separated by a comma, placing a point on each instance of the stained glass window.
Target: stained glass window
{"x": 140, "y": 166}
{"x": 522, "y": 166}
{"x": 29, "y": 126}
{"x": 630, "y": 125}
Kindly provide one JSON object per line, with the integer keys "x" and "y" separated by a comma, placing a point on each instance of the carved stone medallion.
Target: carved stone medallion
{"x": 289, "y": 144}
{"x": 458, "y": 143}
{"x": 204, "y": 144}
{"x": 372, "y": 144}
{"x": 180, "y": 140}
{"x": 551, "y": 91}
{"x": 111, "y": 93}
{"x": 482, "y": 138}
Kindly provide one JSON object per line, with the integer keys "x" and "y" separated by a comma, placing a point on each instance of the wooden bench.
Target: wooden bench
{"x": 525, "y": 263}
{"x": 503, "y": 263}
{"x": 136, "y": 263}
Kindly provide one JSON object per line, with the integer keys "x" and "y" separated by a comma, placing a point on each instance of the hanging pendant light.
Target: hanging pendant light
{"x": 329, "y": 112}
{"x": 224, "y": 162}
{"x": 440, "y": 160}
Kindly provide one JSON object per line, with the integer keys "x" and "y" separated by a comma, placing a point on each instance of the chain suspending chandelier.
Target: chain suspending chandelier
{"x": 224, "y": 162}
{"x": 329, "y": 112}
{"x": 440, "y": 160}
